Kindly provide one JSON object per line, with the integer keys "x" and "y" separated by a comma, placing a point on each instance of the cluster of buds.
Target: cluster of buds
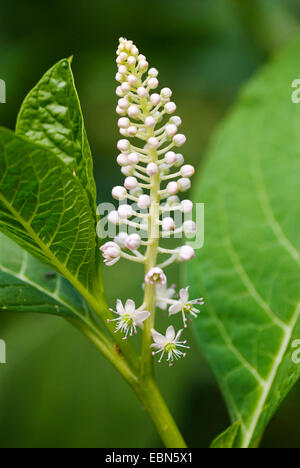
{"x": 155, "y": 174}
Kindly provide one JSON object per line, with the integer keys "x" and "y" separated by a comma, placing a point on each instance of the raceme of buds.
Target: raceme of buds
{"x": 155, "y": 174}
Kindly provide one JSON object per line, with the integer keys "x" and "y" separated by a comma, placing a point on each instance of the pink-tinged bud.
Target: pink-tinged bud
{"x": 173, "y": 200}
{"x": 132, "y": 130}
{"x": 141, "y": 57}
{"x": 156, "y": 276}
{"x": 172, "y": 188}
{"x": 185, "y": 253}
{"x": 113, "y": 217}
{"x": 155, "y": 99}
{"x": 125, "y": 211}
{"x": 123, "y": 145}
{"x": 133, "y": 159}
{"x": 168, "y": 224}
{"x": 133, "y": 242}
{"x": 123, "y": 56}
{"x": 153, "y": 83}
{"x": 166, "y": 93}
{"x": 142, "y": 92}
{"x": 120, "y": 111}
{"x": 186, "y": 206}
{"x": 164, "y": 169}
{"x": 133, "y": 111}
{"x": 187, "y": 170}
{"x": 184, "y": 184}
{"x": 152, "y": 169}
{"x": 153, "y": 143}
{"x": 150, "y": 122}
{"x": 127, "y": 171}
{"x": 143, "y": 65}
{"x": 144, "y": 202}
{"x": 132, "y": 79}
{"x": 122, "y": 160}
{"x": 123, "y": 122}
{"x": 179, "y": 139}
{"x": 179, "y": 160}
{"x": 123, "y": 103}
{"x": 130, "y": 183}
{"x": 119, "y": 77}
{"x": 171, "y": 129}
{"x": 170, "y": 107}
{"x": 189, "y": 227}
{"x": 119, "y": 91}
{"x": 131, "y": 60}
{"x": 119, "y": 193}
{"x": 124, "y": 132}
{"x": 125, "y": 87}
{"x": 134, "y": 50}
{"x": 176, "y": 120}
{"x": 122, "y": 69}
{"x": 153, "y": 72}
{"x": 170, "y": 157}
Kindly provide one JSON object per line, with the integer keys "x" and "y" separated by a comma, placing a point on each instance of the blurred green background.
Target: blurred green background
{"x": 56, "y": 390}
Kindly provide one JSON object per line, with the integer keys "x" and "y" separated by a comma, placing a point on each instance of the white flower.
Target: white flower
{"x": 111, "y": 253}
{"x": 163, "y": 294}
{"x": 168, "y": 344}
{"x": 129, "y": 317}
{"x": 156, "y": 276}
{"x": 185, "y": 306}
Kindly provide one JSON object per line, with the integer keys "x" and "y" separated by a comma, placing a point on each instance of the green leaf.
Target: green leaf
{"x": 249, "y": 268}
{"x": 28, "y": 286}
{"x": 228, "y": 437}
{"x": 51, "y": 115}
{"x": 45, "y": 209}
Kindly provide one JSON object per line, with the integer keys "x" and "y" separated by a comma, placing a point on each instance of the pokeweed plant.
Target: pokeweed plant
{"x": 48, "y": 207}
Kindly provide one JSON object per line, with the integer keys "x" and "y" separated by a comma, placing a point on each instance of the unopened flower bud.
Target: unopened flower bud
{"x": 176, "y": 120}
{"x": 113, "y": 217}
{"x": 125, "y": 87}
{"x": 155, "y": 99}
{"x": 142, "y": 92}
{"x": 152, "y": 83}
{"x": 185, "y": 253}
{"x": 123, "y": 145}
{"x": 119, "y": 91}
{"x": 179, "y": 139}
{"x": 127, "y": 170}
{"x": 119, "y": 77}
{"x": 184, "y": 184}
{"x": 122, "y": 69}
{"x": 133, "y": 242}
{"x": 152, "y": 169}
{"x": 186, "y": 206}
{"x": 170, "y": 107}
{"x": 143, "y": 65}
{"x": 130, "y": 183}
{"x": 150, "y": 121}
{"x": 123, "y": 103}
{"x": 123, "y": 122}
{"x": 173, "y": 200}
{"x": 166, "y": 93}
{"x": 131, "y": 60}
{"x": 144, "y": 202}
{"x": 133, "y": 159}
{"x": 125, "y": 211}
{"x": 168, "y": 224}
{"x": 133, "y": 111}
{"x": 132, "y": 130}
{"x": 171, "y": 129}
{"x": 153, "y": 143}
{"x": 153, "y": 72}
{"x": 189, "y": 227}
{"x": 122, "y": 160}
{"x": 179, "y": 160}
{"x": 170, "y": 157}
{"x": 132, "y": 79}
{"x": 119, "y": 193}
{"x": 187, "y": 170}
{"x": 121, "y": 238}
{"x": 172, "y": 188}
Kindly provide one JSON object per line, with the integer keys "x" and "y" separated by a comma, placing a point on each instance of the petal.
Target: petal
{"x": 184, "y": 294}
{"x": 178, "y": 335}
{"x": 175, "y": 308}
{"x": 130, "y": 306}
{"x": 170, "y": 333}
{"x": 158, "y": 338}
{"x": 141, "y": 316}
{"x": 120, "y": 308}
{"x": 161, "y": 305}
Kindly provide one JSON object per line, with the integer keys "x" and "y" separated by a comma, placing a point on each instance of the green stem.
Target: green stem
{"x": 145, "y": 388}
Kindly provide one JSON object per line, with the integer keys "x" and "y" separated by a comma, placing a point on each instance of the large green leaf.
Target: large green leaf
{"x": 45, "y": 209}
{"x": 28, "y": 286}
{"x": 51, "y": 115}
{"x": 249, "y": 268}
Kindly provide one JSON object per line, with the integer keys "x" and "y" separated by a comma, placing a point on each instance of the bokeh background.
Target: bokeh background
{"x": 56, "y": 390}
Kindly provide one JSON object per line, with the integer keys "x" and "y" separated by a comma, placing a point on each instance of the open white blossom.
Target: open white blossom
{"x": 164, "y": 293}
{"x": 168, "y": 344}
{"x": 185, "y": 306}
{"x": 129, "y": 317}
